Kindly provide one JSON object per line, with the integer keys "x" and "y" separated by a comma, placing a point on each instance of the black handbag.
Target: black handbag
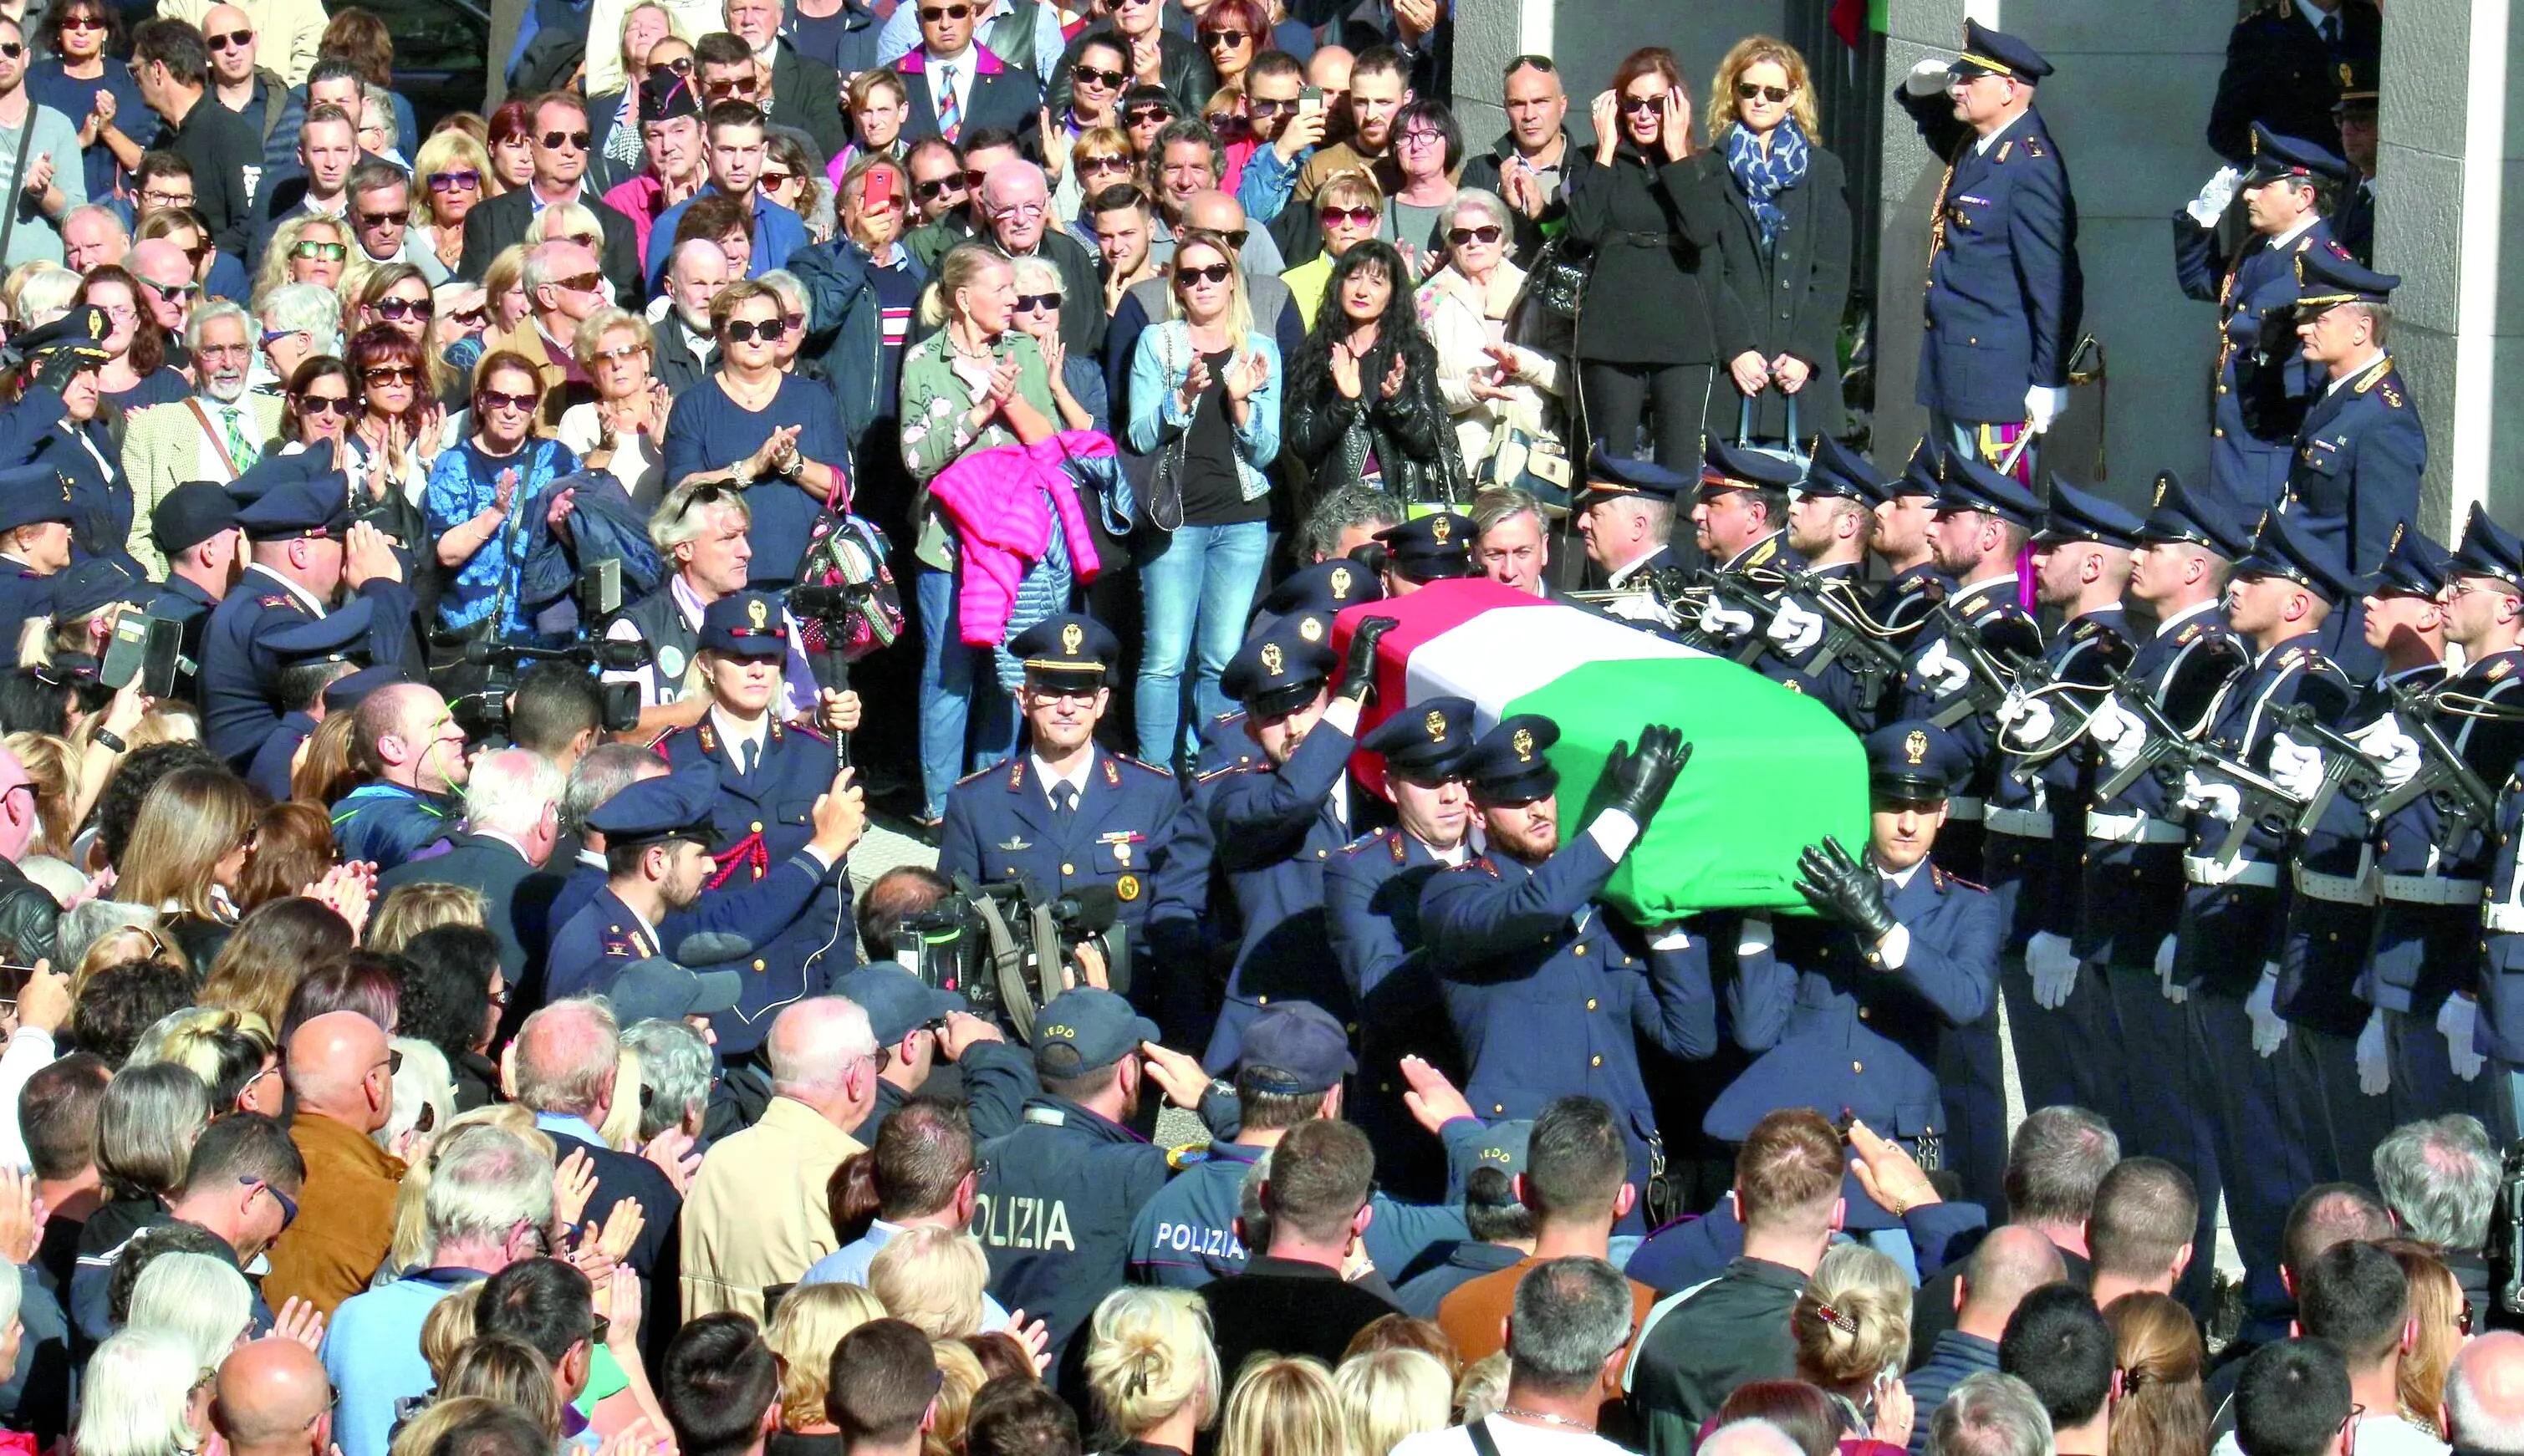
{"x": 1558, "y": 279}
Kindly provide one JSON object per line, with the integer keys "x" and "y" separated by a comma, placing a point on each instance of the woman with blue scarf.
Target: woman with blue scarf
{"x": 1778, "y": 277}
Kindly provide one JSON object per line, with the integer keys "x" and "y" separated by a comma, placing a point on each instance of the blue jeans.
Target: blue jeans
{"x": 947, "y": 713}
{"x": 1199, "y": 592}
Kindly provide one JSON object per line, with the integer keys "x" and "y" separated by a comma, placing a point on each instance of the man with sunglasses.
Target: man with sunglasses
{"x": 734, "y": 162}
{"x": 1532, "y": 166}
{"x": 258, "y": 95}
{"x": 801, "y": 92}
{"x": 953, "y": 203}
{"x": 561, "y": 142}
{"x": 1024, "y": 35}
{"x": 242, "y": 1184}
{"x": 1287, "y": 130}
{"x": 955, "y": 85}
{"x": 171, "y": 63}
{"x": 380, "y": 217}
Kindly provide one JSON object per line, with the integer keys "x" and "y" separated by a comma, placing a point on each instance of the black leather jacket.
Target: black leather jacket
{"x": 1410, "y": 435}
{"x": 27, "y": 913}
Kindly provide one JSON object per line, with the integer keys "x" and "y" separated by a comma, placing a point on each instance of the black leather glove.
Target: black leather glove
{"x": 1845, "y": 890}
{"x": 59, "y": 366}
{"x": 1641, "y": 777}
{"x": 1358, "y": 671}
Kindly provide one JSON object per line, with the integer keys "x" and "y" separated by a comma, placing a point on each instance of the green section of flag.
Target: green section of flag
{"x": 1880, "y": 15}
{"x": 1772, "y": 771}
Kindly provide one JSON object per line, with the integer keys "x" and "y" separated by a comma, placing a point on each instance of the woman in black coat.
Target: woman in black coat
{"x": 1776, "y": 206}
{"x": 1363, "y": 402}
{"x": 1644, "y": 342}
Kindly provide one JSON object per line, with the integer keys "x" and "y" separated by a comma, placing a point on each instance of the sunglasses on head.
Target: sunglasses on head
{"x": 575, "y": 140}
{"x": 397, "y": 310}
{"x": 386, "y": 220}
{"x": 493, "y": 398}
{"x": 1038, "y": 303}
{"x": 747, "y": 330}
{"x": 1215, "y": 272}
{"x": 230, "y": 41}
{"x": 1747, "y": 91}
{"x": 450, "y": 181}
{"x": 390, "y": 375}
{"x": 1229, "y": 38}
{"x": 1489, "y": 232}
{"x": 592, "y": 242}
{"x": 1086, "y": 75}
{"x": 938, "y": 186}
{"x": 324, "y": 403}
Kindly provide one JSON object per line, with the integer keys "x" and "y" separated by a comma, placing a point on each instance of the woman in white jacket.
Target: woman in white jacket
{"x": 1501, "y": 356}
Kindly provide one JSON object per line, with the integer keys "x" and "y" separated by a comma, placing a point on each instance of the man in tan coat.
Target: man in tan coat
{"x": 340, "y": 1067}
{"x": 755, "y": 1216}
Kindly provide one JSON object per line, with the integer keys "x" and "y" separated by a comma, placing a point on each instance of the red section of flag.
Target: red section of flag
{"x": 1849, "y": 21}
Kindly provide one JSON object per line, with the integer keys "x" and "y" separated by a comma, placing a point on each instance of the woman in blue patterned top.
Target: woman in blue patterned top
{"x": 478, "y": 494}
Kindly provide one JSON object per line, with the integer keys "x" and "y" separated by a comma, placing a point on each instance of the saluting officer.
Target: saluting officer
{"x": 2036, "y": 821}
{"x": 2286, "y": 63}
{"x": 35, "y": 514}
{"x": 1372, "y": 907}
{"x": 2005, "y": 292}
{"x": 1829, "y": 517}
{"x": 2265, "y": 382}
{"x": 194, "y": 526}
{"x": 1847, "y": 1010}
{"x": 1549, "y": 997}
{"x": 1065, "y": 812}
{"x": 2323, "y": 1014}
{"x": 2360, "y": 450}
{"x": 306, "y": 549}
{"x": 1905, "y": 506}
{"x": 1739, "y": 520}
{"x": 1437, "y": 547}
{"x": 2231, "y": 908}
{"x": 1275, "y": 821}
{"x": 769, "y": 775}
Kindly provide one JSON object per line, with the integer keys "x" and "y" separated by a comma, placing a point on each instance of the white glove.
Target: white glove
{"x": 2165, "y": 981}
{"x": 2217, "y": 801}
{"x": 1940, "y": 670}
{"x": 2457, "y": 1019}
{"x": 1929, "y": 77}
{"x": 2269, "y": 1031}
{"x": 1718, "y": 619}
{"x": 2398, "y": 751}
{"x": 2042, "y": 405}
{"x": 2031, "y": 719}
{"x": 2296, "y": 767}
{"x": 2215, "y": 198}
{"x": 2374, "y": 1071}
{"x": 1793, "y": 629}
{"x": 2053, "y": 964}
{"x": 2117, "y": 732}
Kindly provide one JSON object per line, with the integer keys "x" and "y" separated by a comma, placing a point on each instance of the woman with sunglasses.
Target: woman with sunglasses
{"x": 396, "y": 436}
{"x": 1146, "y": 112}
{"x": 1363, "y": 402}
{"x": 135, "y": 372}
{"x": 750, "y": 424}
{"x": 316, "y": 408}
{"x": 1778, "y": 277}
{"x": 789, "y": 178}
{"x": 1097, "y": 76}
{"x": 1100, "y": 158}
{"x": 1348, "y": 210}
{"x": 1500, "y": 353}
{"x": 623, "y": 430}
{"x": 483, "y": 495}
{"x": 1076, "y": 381}
{"x": 396, "y": 296}
{"x": 461, "y": 322}
{"x": 1204, "y": 390}
{"x": 304, "y": 250}
{"x": 512, "y": 152}
{"x": 1645, "y": 346}
{"x": 450, "y": 174}
{"x": 83, "y": 38}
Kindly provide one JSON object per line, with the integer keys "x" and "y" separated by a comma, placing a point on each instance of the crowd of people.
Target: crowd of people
{"x": 473, "y": 586}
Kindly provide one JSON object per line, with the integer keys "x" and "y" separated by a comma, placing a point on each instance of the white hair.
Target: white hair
{"x": 487, "y": 1185}
{"x": 1750, "y": 1437}
{"x": 197, "y": 1298}
{"x": 509, "y": 791}
{"x": 421, "y": 1083}
{"x": 309, "y": 307}
{"x": 2477, "y": 1428}
{"x": 133, "y": 1397}
{"x": 46, "y": 293}
{"x": 814, "y": 1040}
{"x": 563, "y": 221}
{"x": 204, "y": 313}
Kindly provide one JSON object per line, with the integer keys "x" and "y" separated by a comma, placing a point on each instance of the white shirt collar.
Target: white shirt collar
{"x": 2362, "y": 366}
{"x": 736, "y": 733}
{"x": 1981, "y": 146}
{"x": 2314, "y": 16}
{"x": 1047, "y": 780}
{"x": 2196, "y": 608}
{"x": 1900, "y": 879}
{"x": 2288, "y": 238}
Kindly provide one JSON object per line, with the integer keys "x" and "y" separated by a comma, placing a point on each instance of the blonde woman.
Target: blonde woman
{"x": 187, "y": 855}
{"x": 231, "y": 1052}
{"x": 37, "y": 293}
{"x": 53, "y": 766}
{"x": 2158, "y": 1405}
{"x": 2439, "y": 1321}
{"x": 1154, "y": 1369}
{"x": 143, "y": 1394}
{"x": 447, "y": 184}
{"x": 622, "y": 431}
{"x": 1282, "y": 1406}
{"x": 1390, "y": 1394}
{"x": 504, "y": 288}
{"x": 424, "y": 905}
{"x": 804, "y": 1332}
{"x": 931, "y": 1276}
{"x": 424, "y": 1100}
{"x": 449, "y": 1328}
{"x": 961, "y": 1377}
{"x": 1852, "y": 1329}
{"x": 199, "y": 1299}
{"x": 305, "y": 249}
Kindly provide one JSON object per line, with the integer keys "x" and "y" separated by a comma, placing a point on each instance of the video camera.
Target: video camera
{"x": 988, "y": 943}
{"x": 484, "y": 713}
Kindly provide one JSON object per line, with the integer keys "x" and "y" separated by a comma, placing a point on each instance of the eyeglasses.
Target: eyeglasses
{"x": 491, "y": 399}
{"x": 13, "y": 49}
{"x": 581, "y": 283}
{"x": 1038, "y": 303}
{"x": 1489, "y": 232}
{"x": 930, "y": 15}
{"x": 1224, "y": 39}
{"x": 288, "y": 1205}
{"x": 1116, "y": 162}
{"x": 938, "y": 186}
{"x": 1352, "y": 216}
{"x": 1639, "y": 105}
{"x": 122, "y": 312}
{"x": 82, "y": 23}
{"x": 397, "y": 310}
{"x": 1748, "y": 91}
{"x": 450, "y": 181}
{"x": 2462, "y": 1318}
{"x": 597, "y": 1331}
{"x": 323, "y": 251}
{"x": 324, "y": 403}
{"x": 745, "y": 330}
{"x": 197, "y": 253}
{"x": 575, "y": 140}
{"x": 172, "y": 292}
{"x": 1020, "y": 209}
{"x": 390, "y": 375}
{"x": 726, "y": 86}
{"x": 1216, "y": 273}
{"x": 472, "y": 317}
{"x": 680, "y": 65}
{"x": 1142, "y": 115}
{"x": 778, "y": 178}
{"x": 1085, "y": 74}
{"x": 619, "y": 356}
{"x": 157, "y": 199}
{"x": 1421, "y": 138}
{"x": 592, "y": 242}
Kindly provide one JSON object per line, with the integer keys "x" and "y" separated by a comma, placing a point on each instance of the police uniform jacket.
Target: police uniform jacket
{"x": 2500, "y": 987}
{"x": 183, "y": 602}
{"x": 1191, "y": 923}
{"x": 1056, "y": 1200}
{"x": 1835, "y": 1027}
{"x": 2278, "y": 71}
{"x": 1988, "y": 607}
{"x": 272, "y": 766}
{"x": 2037, "y": 810}
{"x": 1547, "y": 999}
{"x": 1371, "y": 903}
{"x": 2355, "y": 479}
{"x": 1000, "y": 826}
{"x": 1372, "y": 906}
{"x": 763, "y": 819}
{"x": 1902, "y": 608}
{"x": 2354, "y": 227}
{"x": 997, "y": 1079}
{"x": 2264, "y": 383}
{"x": 1185, "y": 1236}
{"x": 1835, "y": 683}
{"x": 386, "y": 823}
{"x": 2006, "y": 294}
{"x": 241, "y": 676}
{"x": 37, "y": 430}
{"x": 597, "y": 941}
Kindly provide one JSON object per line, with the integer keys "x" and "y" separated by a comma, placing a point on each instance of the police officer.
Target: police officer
{"x": 194, "y": 526}
{"x": 1372, "y": 907}
{"x": 1905, "y": 506}
{"x": 704, "y": 534}
{"x": 1066, "y": 812}
{"x": 2285, "y": 67}
{"x": 2360, "y": 450}
{"x": 1325, "y": 589}
{"x": 312, "y": 655}
{"x": 1625, "y": 519}
{"x": 1548, "y": 996}
{"x": 2354, "y": 224}
{"x": 2231, "y": 908}
{"x": 2005, "y": 291}
{"x": 770, "y": 776}
{"x": 2264, "y": 380}
{"x": 35, "y": 513}
{"x": 1437, "y": 547}
{"x": 1829, "y": 519}
{"x": 1057, "y": 1196}
{"x": 37, "y": 430}
{"x": 1294, "y": 1058}
{"x": 305, "y": 552}
{"x": 1276, "y": 820}
{"x": 2315, "y": 998}
{"x": 1740, "y": 519}
{"x": 1848, "y": 1010}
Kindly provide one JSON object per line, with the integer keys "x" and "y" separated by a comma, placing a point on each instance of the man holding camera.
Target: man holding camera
{"x": 1065, "y": 813}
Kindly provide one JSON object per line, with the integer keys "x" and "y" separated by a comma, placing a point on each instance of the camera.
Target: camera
{"x": 485, "y": 713}
{"x": 988, "y": 943}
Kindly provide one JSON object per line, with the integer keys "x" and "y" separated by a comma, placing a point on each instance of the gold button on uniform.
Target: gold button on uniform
{"x": 1591, "y": 1003}
{"x": 1595, "y": 1061}
{"x": 1069, "y": 869}
{"x": 758, "y": 965}
{"x": 1858, "y": 1066}
{"x": 1261, "y": 1000}
{"x": 1580, "y": 950}
{"x": 757, "y": 826}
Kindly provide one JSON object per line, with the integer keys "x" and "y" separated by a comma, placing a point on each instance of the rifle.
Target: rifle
{"x": 1848, "y": 634}
{"x": 1995, "y": 672}
{"x": 2347, "y": 768}
{"x": 2263, "y": 802}
{"x": 2464, "y": 804}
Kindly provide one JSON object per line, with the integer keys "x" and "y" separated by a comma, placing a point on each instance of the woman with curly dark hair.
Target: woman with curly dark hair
{"x": 396, "y": 437}
{"x": 453, "y": 995}
{"x": 1363, "y": 402}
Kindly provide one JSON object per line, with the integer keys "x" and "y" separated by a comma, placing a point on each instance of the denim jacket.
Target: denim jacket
{"x": 1157, "y": 367}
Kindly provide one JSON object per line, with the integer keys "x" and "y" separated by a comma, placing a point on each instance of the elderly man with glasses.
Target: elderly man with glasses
{"x": 561, "y": 141}
{"x": 564, "y": 289}
{"x": 1015, "y": 210}
{"x": 216, "y": 433}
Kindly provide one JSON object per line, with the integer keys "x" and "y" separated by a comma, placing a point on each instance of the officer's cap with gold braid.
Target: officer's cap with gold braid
{"x": 81, "y": 331}
{"x": 301, "y": 506}
{"x": 1838, "y": 470}
{"x": 2323, "y": 278}
{"x": 2082, "y": 515}
{"x": 2178, "y": 515}
{"x": 745, "y": 624}
{"x": 2279, "y": 551}
{"x": 1438, "y": 547}
{"x": 2275, "y": 156}
{"x": 1508, "y": 766}
{"x": 1426, "y": 740}
{"x": 1914, "y": 761}
{"x": 1988, "y": 52}
{"x": 1610, "y": 474}
{"x": 1725, "y": 466}
{"x": 1972, "y": 484}
{"x": 1923, "y": 474}
{"x": 2357, "y": 84}
{"x": 1283, "y": 669}
{"x": 1066, "y": 650}
{"x": 2414, "y": 566}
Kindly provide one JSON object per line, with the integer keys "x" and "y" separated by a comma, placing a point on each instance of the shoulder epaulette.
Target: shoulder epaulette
{"x": 1941, "y": 878}
{"x": 2034, "y": 147}
{"x": 803, "y": 730}
{"x": 1186, "y": 1155}
{"x": 979, "y": 773}
{"x": 1479, "y": 862}
{"x": 272, "y": 600}
{"x": 1144, "y": 766}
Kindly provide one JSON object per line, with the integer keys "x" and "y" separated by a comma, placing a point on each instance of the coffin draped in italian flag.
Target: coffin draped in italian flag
{"x": 1771, "y": 772}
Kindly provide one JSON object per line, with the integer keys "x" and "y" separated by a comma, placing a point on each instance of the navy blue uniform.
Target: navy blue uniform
{"x": 597, "y": 935}
{"x": 387, "y": 824}
{"x": 273, "y": 763}
{"x": 1192, "y": 925}
{"x": 2281, "y": 72}
{"x": 764, "y": 818}
{"x": 1000, "y": 826}
{"x": 2499, "y": 1034}
{"x": 241, "y": 676}
{"x": 1185, "y": 1236}
{"x": 1837, "y": 683}
{"x": 1372, "y": 893}
{"x": 2263, "y": 383}
{"x": 2356, "y": 482}
{"x": 2006, "y": 295}
{"x": 39, "y": 431}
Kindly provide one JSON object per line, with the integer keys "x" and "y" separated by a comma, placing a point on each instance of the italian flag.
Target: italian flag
{"x": 1771, "y": 772}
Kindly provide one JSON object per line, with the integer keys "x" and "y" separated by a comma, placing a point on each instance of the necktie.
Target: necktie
{"x": 242, "y": 452}
{"x": 752, "y": 751}
{"x": 951, "y": 116}
{"x": 1065, "y": 800}
{"x": 2330, "y": 28}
